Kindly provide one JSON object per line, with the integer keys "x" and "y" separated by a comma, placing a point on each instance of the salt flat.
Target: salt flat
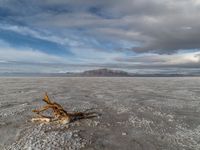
{"x": 136, "y": 113}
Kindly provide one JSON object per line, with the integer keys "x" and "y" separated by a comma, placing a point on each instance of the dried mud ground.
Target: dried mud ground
{"x": 136, "y": 113}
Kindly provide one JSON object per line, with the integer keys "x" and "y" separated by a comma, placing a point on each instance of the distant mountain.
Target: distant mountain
{"x": 105, "y": 73}
{"x": 88, "y": 73}
{"x": 95, "y": 73}
{"x": 118, "y": 73}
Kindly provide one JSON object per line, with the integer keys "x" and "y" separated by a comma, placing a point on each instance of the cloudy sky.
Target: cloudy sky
{"x": 143, "y": 36}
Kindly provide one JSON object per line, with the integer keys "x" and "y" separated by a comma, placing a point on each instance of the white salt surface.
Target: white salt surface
{"x": 136, "y": 113}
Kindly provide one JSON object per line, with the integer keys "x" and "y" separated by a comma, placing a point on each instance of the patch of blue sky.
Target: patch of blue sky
{"x": 18, "y": 40}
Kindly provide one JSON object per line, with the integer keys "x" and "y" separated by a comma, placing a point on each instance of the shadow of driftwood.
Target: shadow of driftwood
{"x": 83, "y": 115}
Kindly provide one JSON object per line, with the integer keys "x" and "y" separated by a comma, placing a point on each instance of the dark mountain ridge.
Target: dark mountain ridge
{"x": 105, "y": 73}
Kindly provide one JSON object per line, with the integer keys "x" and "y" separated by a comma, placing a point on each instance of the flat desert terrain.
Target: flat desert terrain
{"x": 134, "y": 113}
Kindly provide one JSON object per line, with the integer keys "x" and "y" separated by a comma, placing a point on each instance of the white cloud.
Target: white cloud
{"x": 186, "y": 28}
{"x": 162, "y": 60}
{"x": 96, "y": 55}
{"x": 9, "y": 53}
{"x": 197, "y": 2}
{"x": 39, "y": 34}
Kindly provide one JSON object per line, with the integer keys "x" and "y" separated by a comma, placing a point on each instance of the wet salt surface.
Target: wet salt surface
{"x": 136, "y": 113}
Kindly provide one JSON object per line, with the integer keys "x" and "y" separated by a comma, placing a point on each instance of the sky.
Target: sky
{"x": 139, "y": 36}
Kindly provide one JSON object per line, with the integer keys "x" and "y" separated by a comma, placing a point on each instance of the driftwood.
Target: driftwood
{"x": 58, "y": 113}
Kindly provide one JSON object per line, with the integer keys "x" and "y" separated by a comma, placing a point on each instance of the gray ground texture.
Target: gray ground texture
{"x": 136, "y": 113}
